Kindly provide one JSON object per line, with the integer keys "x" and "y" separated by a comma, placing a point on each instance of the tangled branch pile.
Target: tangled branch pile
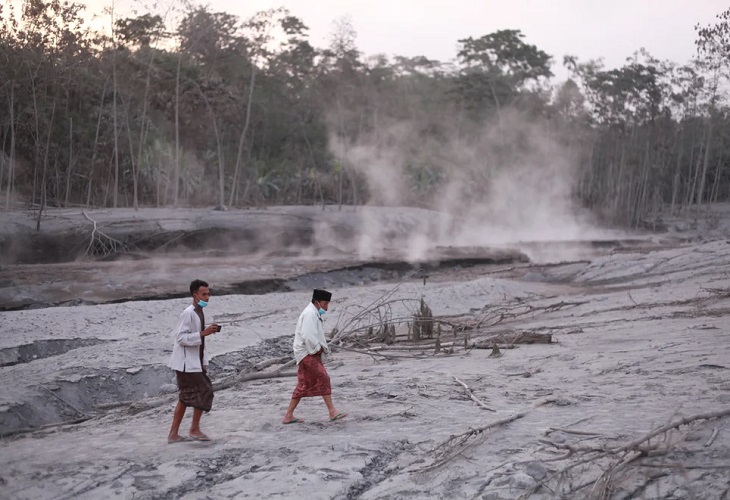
{"x": 598, "y": 471}
{"x": 405, "y": 324}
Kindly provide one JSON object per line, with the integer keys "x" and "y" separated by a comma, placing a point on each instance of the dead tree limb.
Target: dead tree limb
{"x": 455, "y": 445}
{"x": 81, "y": 413}
{"x": 376, "y": 353}
{"x": 266, "y": 363}
{"x": 472, "y": 396}
{"x": 715, "y": 432}
{"x": 144, "y": 405}
{"x": 673, "y": 425}
{"x": 622, "y": 456}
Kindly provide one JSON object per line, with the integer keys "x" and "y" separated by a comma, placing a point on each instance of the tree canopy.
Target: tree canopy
{"x": 210, "y": 109}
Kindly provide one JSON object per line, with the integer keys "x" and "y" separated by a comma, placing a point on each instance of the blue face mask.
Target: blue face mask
{"x": 202, "y": 303}
{"x": 321, "y": 311}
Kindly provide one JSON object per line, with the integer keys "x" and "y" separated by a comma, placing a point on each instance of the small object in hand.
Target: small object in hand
{"x": 218, "y": 328}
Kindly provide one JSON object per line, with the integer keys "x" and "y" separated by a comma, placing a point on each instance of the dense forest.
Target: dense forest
{"x": 200, "y": 108}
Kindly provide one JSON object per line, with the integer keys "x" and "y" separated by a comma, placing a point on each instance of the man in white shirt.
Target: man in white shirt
{"x": 190, "y": 361}
{"x": 309, "y": 346}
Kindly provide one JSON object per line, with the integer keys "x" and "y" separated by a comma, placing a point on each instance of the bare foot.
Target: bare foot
{"x": 176, "y": 438}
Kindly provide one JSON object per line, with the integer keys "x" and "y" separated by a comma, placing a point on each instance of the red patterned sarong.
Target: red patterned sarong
{"x": 312, "y": 378}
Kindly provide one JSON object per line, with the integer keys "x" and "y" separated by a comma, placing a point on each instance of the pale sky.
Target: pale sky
{"x": 590, "y": 29}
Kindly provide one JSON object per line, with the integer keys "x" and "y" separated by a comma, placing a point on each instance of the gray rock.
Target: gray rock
{"x": 536, "y": 470}
{"x": 168, "y": 388}
{"x": 695, "y": 435}
{"x": 558, "y": 437}
{"x": 522, "y": 481}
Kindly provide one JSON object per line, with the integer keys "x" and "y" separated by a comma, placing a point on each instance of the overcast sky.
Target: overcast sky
{"x": 590, "y": 29}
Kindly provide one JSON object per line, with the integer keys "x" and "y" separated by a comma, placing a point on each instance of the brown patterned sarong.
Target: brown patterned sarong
{"x": 196, "y": 390}
{"x": 312, "y": 378}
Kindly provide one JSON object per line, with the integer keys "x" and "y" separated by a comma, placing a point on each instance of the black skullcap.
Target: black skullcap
{"x": 322, "y": 295}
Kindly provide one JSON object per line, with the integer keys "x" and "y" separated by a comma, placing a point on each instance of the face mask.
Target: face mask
{"x": 321, "y": 311}
{"x": 202, "y": 303}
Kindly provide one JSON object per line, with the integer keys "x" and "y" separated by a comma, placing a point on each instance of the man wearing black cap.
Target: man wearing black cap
{"x": 309, "y": 345}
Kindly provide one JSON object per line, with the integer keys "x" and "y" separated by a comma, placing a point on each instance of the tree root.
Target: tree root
{"x": 103, "y": 246}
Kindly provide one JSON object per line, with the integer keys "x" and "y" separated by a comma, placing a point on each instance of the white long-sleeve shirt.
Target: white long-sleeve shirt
{"x": 186, "y": 349}
{"x": 309, "y": 335}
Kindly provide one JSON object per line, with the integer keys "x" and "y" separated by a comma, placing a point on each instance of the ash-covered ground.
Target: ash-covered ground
{"x": 630, "y": 399}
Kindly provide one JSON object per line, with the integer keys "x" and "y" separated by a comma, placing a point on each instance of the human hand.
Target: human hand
{"x": 211, "y": 329}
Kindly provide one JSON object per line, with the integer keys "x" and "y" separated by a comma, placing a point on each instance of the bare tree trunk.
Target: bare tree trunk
{"x": 499, "y": 110}
{"x": 695, "y": 175}
{"x": 142, "y": 129}
{"x": 342, "y": 135}
{"x": 705, "y": 164}
{"x": 114, "y": 112}
{"x": 88, "y": 189}
{"x": 132, "y": 159}
{"x": 11, "y": 167}
{"x": 641, "y": 194}
{"x": 37, "y": 139}
{"x": 96, "y": 143}
{"x": 716, "y": 183}
{"x": 617, "y": 183}
{"x": 108, "y": 183}
{"x": 176, "y": 177}
{"x": 69, "y": 172}
{"x": 234, "y": 184}
{"x": 314, "y": 163}
{"x": 45, "y": 168}
{"x": 677, "y": 171}
{"x": 6, "y": 132}
{"x": 221, "y": 166}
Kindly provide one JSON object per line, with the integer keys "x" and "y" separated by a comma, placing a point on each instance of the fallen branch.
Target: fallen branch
{"x": 428, "y": 346}
{"x": 472, "y": 396}
{"x": 226, "y": 383}
{"x": 269, "y": 362}
{"x": 246, "y": 377}
{"x": 526, "y": 374}
{"x": 371, "y": 353}
{"x": 715, "y": 432}
{"x": 27, "y": 430}
{"x": 455, "y": 445}
{"x": 685, "y": 466}
{"x": 670, "y": 426}
{"x": 571, "y": 431}
{"x": 81, "y": 413}
{"x": 510, "y": 338}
